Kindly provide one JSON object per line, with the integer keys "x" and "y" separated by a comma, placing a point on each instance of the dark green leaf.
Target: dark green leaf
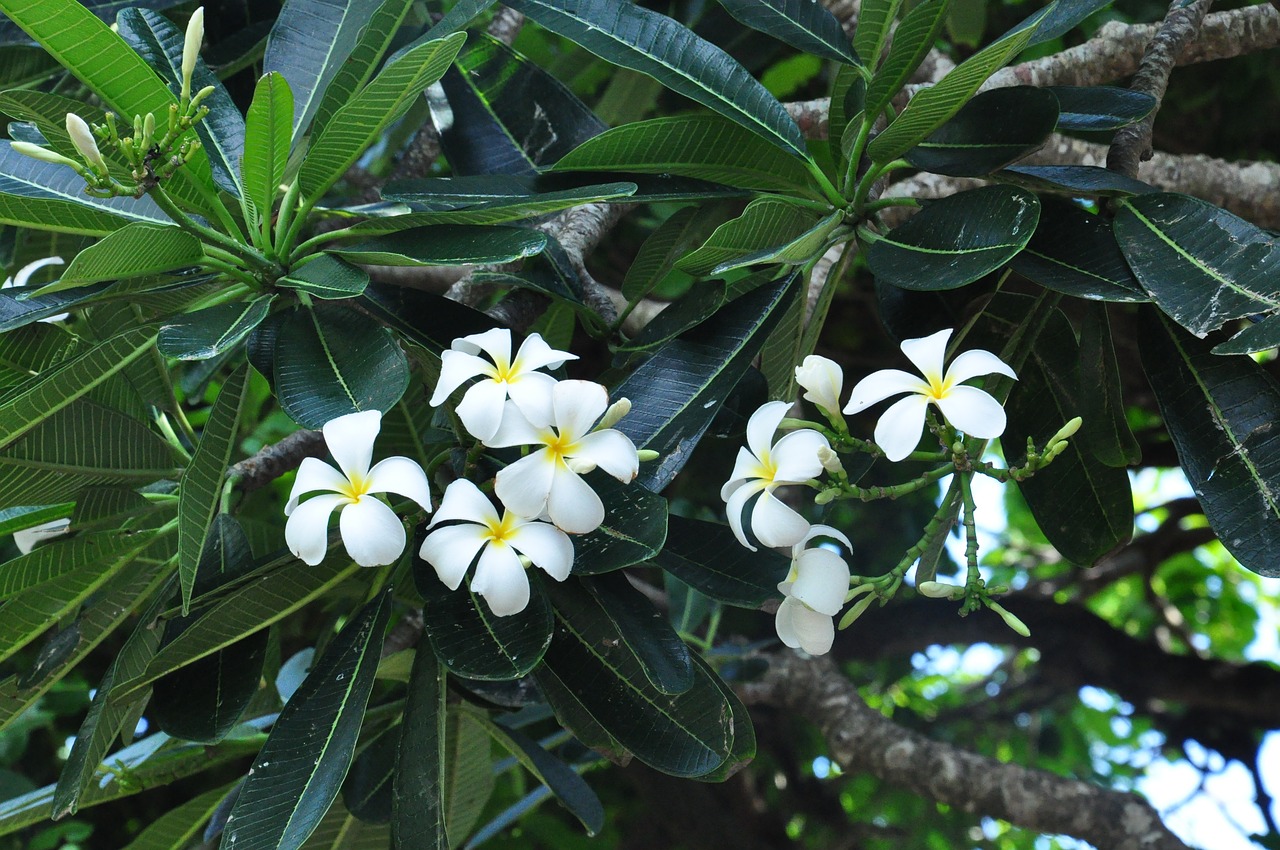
{"x": 766, "y": 225}
{"x": 744, "y": 733}
{"x": 1075, "y": 252}
{"x": 367, "y": 790}
{"x": 1105, "y": 431}
{"x": 662, "y": 654}
{"x": 1074, "y": 180}
{"x": 176, "y": 828}
{"x": 446, "y": 245}
{"x": 806, "y": 26}
{"x": 427, "y": 319}
{"x": 209, "y": 332}
{"x": 989, "y": 132}
{"x": 418, "y": 792}
{"x": 912, "y": 41}
{"x": 1099, "y": 107}
{"x": 204, "y": 700}
{"x": 635, "y": 525}
{"x": 1064, "y": 16}
{"x": 135, "y": 250}
{"x": 848, "y": 100}
{"x": 1256, "y": 336}
{"x": 684, "y": 231}
{"x": 266, "y": 142}
{"x": 534, "y": 195}
{"x": 469, "y": 780}
{"x": 702, "y": 555}
{"x": 327, "y": 278}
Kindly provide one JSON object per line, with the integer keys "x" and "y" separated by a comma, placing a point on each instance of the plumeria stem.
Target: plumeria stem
{"x": 893, "y": 491}
{"x": 974, "y": 586}
{"x": 207, "y": 235}
{"x": 284, "y": 220}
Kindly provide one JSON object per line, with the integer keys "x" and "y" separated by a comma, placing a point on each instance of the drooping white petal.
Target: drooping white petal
{"x": 928, "y": 354}
{"x": 971, "y": 364}
{"x": 372, "y": 533}
{"x": 500, "y": 579}
{"x": 881, "y": 385}
{"x": 578, "y": 405}
{"x": 899, "y": 428}
{"x": 822, "y": 531}
{"x": 736, "y": 504}
{"x": 572, "y": 504}
{"x": 795, "y": 457}
{"x": 762, "y": 425}
{"x": 516, "y": 430}
{"x": 452, "y": 549}
{"x": 23, "y": 275}
{"x": 482, "y": 407}
{"x": 307, "y": 531}
{"x": 456, "y": 368}
{"x": 350, "y": 441}
{"x": 802, "y": 628}
{"x": 495, "y": 342}
{"x": 523, "y": 487}
{"x": 973, "y": 412}
{"x": 27, "y": 538}
{"x": 823, "y": 581}
{"x": 746, "y": 466}
{"x": 463, "y": 500}
{"x": 547, "y": 546}
{"x": 774, "y": 524}
{"x": 612, "y": 451}
{"x": 822, "y": 380}
{"x": 314, "y": 474}
{"x": 401, "y": 476}
{"x": 534, "y": 354}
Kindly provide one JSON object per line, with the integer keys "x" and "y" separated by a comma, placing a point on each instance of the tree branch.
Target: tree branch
{"x": 270, "y": 462}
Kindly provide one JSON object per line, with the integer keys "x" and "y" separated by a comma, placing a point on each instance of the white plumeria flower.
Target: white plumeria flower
{"x": 484, "y": 403}
{"x": 371, "y": 531}
{"x": 500, "y": 541}
{"x": 27, "y": 538}
{"x": 547, "y": 480}
{"x": 822, "y": 380}
{"x": 23, "y": 277}
{"x": 969, "y": 409}
{"x": 765, "y": 465}
{"x": 813, "y": 594}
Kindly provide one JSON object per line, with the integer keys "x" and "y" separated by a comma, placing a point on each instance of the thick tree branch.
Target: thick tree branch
{"x": 861, "y": 739}
{"x": 275, "y": 460}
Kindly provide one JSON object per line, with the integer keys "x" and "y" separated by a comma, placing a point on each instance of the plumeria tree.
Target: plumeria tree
{"x": 343, "y": 476}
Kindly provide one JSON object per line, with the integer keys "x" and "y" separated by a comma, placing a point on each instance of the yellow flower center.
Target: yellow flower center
{"x": 502, "y": 531}
{"x": 939, "y": 388}
{"x": 767, "y": 469}
{"x": 355, "y": 487}
{"x": 559, "y": 445}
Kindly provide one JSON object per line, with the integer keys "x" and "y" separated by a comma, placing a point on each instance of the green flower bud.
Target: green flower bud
{"x": 1009, "y": 619}
{"x": 616, "y": 411}
{"x": 647, "y": 454}
{"x": 936, "y": 589}
{"x": 45, "y": 155}
{"x": 191, "y": 50}
{"x": 856, "y": 611}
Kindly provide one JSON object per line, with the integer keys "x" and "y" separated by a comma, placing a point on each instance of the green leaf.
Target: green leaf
{"x": 1075, "y": 252}
{"x": 1073, "y": 180}
{"x": 209, "y": 332}
{"x": 956, "y": 240}
{"x": 706, "y": 146}
{"x": 1258, "y": 336}
{"x": 134, "y": 250}
{"x": 201, "y": 486}
{"x": 418, "y": 792}
{"x": 446, "y": 245}
{"x": 1100, "y": 107}
{"x": 931, "y": 107}
{"x": 327, "y": 278}
{"x": 361, "y": 120}
{"x": 688, "y": 311}
{"x": 300, "y": 769}
{"x": 204, "y": 700}
{"x": 912, "y": 41}
{"x": 662, "y": 654}
{"x": 988, "y": 133}
{"x": 874, "y": 20}
{"x": 702, "y": 555}
{"x": 29, "y": 516}
{"x": 492, "y": 200}
{"x": 331, "y": 361}
{"x": 744, "y": 734}
{"x": 684, "y": 231}
{"x": 1202, "y": 265}
{"x": 175, "y": 829}
{"x": 425, "y": 318}
{"x": 848, "y": 99}
{"x": 267, "y": 136}
{"x": 1063, "y": 16}
{"x": 798, "y": 251}
{"x": 766, "y": 225}
{"x": 808, "y": 27}
{"x": 653, "y": 44}
{"x": 634, "y": 527}
{"x": 469, "y": 778}
{"x": 1220, "y": 412}
{"x": 341, "y": 830}
{"x": 1105, "y": 431}
{"x": 366, "y": 793}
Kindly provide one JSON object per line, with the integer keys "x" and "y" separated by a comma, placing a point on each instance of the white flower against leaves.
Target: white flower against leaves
{"x": 371, "y": 531}
{"x": 500, "y": 541}
{"x": 968, "y": 409}
{"x": 27, "y": 538}
{"x": 547, "y": 481}
{"x": 191, "y": 50}
{"x": 23, "y": 277}
{"x": 822, "y": 380}
{"x": 504, "y": 378}
{"x": 813, "y": 594}
{"x": 765, "y": 466}
{"x": 82, "y": 138}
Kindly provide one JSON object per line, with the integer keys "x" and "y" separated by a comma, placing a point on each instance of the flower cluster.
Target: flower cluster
{"x": 564, "y": 430}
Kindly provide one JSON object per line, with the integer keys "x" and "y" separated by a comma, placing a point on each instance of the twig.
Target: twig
{"x": 270, "y": 462}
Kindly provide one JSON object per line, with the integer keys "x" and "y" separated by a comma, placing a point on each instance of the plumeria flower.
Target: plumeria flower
{"x": 813, "y": 594}
{"x": 371, "y": 531}
{"x": 504, "y": 378}
{"x": 822, "y": 380}
{"x": 27, "y": 538}
{"x": 765, "y": 466}
{"x": 548, "y": 479}
{"x": 23, "y": 277}
{"x": 969, "y": 409}
{"x": 500, "y": 541}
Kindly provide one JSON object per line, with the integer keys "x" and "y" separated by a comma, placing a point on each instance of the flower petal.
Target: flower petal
{"x": 762, "y": 425}
{"x": 516, "y": 430}
{"x": 456, "y": 368}
{"x": 495, "y": 342}
{"x": 534, "y": 354}
{"x": 523, "y": 487}
{"x": 578, "y": 405}
{"x": 401, "y": 476}
{"x": 350, "y": 441}
{"x": 928, "y": 354}
{"x": 610, "y": 450}
{"x": 532, "y": 393}
{"x": 822, "y": 380}
{"x": 735, "y": 505}
{"x": 452, "y": 549}
{"x": 572, "y": 504}
{"x": 547, "y": 546}
{"x": 746, "y": 467}
{"x": 825, "y": 531}
{"x": 27, "y": 538}
{"x": 802, "y": 628}
{"x": 899, "y": 428}
{"x": 372, "y": 533}
{"x": 823, "y": 581}
{"x": 463, "y": 500}
{"x": 775, "y": 524}
{"x": 795, "y": 457}
{"x": 500, "y": 579}
{"x": 314, "y": 474}
{"x": 482, "y": 407}
{"x": 881, "y": 385}
{"x": 974, "y": 412}
{"x": 971, "y": 364}
{"x": 24, "y": 274}
{"x": 307, "y": 531}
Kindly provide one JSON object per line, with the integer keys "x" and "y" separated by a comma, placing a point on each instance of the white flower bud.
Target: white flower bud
{"x": 936, "y": 589}
{"x": 616, "y": 411}
{"x": 44, "y": 154}
{"x": 191, "y": 50}
{"x": 822, "y": 380}
{"x": 82, "y": 138}
{"x": 830, "y": 460}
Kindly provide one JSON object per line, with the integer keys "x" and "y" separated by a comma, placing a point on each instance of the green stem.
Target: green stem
{"x": 166, "y": 429}
{"x": 220, "y": 210}
{"x": 894, "y": 491}
{"x": 229, "y": 269}
{"x": 855, "y": 155}
{"x": 970, "y": 528}
{"x": 285, "y": 218}
{"x": 295, "y": 227}
{"x": 869, "y": 180}
{"x": 206, "y": 234}
{"x": 829, "y": 191}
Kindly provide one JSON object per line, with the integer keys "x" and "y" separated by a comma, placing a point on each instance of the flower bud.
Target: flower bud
{"x": 148, "y": 131}
{"x": 827, "y": 496}
{"x": 858, "y": 609}
{"x": 936, "y": 589}
{"x": 191, "y": 50}
{"x": 616, "y": 411}
{"x": 44, "y": 154}
{"x": 647, "y": 454}
{"x": 82, "y": 138}
{"x": 1009, "y": 619}
{"x": 822, "y": 380}
{"x": 830, "y": 460}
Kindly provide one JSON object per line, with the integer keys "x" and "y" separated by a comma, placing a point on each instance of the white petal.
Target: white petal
{"x": 27, "y": 538}
{"x": 899, "y": 429}
{"x": 350, "y": 441}
{"x": 401, "y": 476}
{"x": 495, "y": 342}
{"x": 762, "y": 425}
{"x": 823, "y": 581}
{"x": 307, "y": 531}
{"x": 456, "y": 368}
{"x": 314, "y": 474}
{"x": 532, "y": 393}
{"x": 822, "y": 380}
{"x": 500, "y": 579}
{"x": 452, "y": 549}
{"x": 971, "y": 364}
{"x": 547, "y": 546}
{"x": 463, "y": 500}
{"x": 523, "y": 487}
{"x": 516, "y": 430}
{"x": 747, "y": 466}
{"x": 775, "y": 524}
{"x": 795, "y": 457}
{"x": 610, "y": 450}
{"x": 928, "y": 354}
{"x": 372, "y": 533}
{"x": 825, "y": 531}
{"x": 578, "y": 405}
{"x": 802, "y": 628}
{"x": 534, "y": 354}
{"x": 24, "y": 274}
{"x": 736, "y": 504}
{"x": 973, "y": 412}
{"x": 881, "y": 385}
{"x": 572, "y": 504}
{"x": 482, "y": 407}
